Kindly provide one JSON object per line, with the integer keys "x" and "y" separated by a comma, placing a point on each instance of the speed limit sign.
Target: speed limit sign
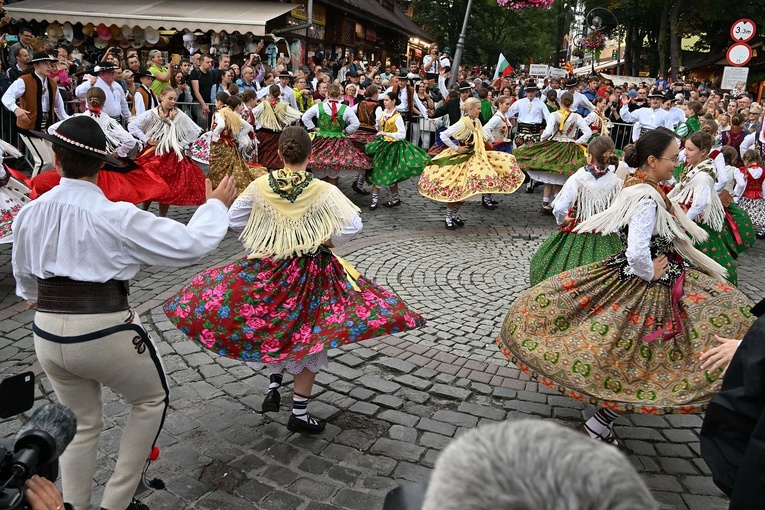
{"x": 743, "y": 30}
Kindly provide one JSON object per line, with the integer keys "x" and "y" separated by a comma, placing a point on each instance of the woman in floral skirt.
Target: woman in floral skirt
{"x": 626, "y": 333}
{"x": 290, "y": 300}
{"x": 394, "y": 159}
{"x": 559, "y": 153}
{"x": 695, "y": 193}
{"x": 167, "y": 133}
{"x": 13, "y": 194}
{"x": 469, "y": 168}
{"x": 588, "y": 192}
{"x": 333, "y": 151}
{"x": 232, "y": 141}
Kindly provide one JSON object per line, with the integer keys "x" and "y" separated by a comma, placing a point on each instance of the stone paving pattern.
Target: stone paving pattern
{"x": 393, "y": 403}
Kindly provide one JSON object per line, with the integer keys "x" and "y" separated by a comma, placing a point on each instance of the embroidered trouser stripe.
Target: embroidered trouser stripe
{"x": 82, "y": 353}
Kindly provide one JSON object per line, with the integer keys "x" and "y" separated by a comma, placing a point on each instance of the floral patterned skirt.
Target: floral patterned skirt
{"x": 563, "y": 158}
{"x": 736, "y": 215}
{"x": 226, "y": 160}
{"x": 337, "y": 153}
{"x": 582, "y": 332}
{"x": 362, "y": 137}
{"x": 185, "y": 180}
{"x": 567, "y": 250}
{"x": 268, "y": 311}
{"x": 268, "y": 146}
{"x": 200, "y": 149}
{"x": 135, "y": 186}
{"x": 496, "y": 172}
{"x": 13, "y": 196}
{"x": 755, "y": 208}
{"x": 395, "y": 161}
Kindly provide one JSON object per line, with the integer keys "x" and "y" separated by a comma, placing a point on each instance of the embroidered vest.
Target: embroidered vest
{"x": 753, "y": 186}
{"x": 366, "y": 114}
{"x": 327, "y": 126}
{"x": 409, "y": 97}
{"x": 149, "y": 99}
{"x": 31, "y": 101}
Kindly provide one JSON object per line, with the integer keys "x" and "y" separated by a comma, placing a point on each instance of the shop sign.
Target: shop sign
{"x": 319, "y": 12}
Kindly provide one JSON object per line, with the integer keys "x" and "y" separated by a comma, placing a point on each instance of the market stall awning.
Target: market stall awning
{"x": 220, "y": 15}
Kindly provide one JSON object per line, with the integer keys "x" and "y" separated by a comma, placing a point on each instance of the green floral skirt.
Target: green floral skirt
{"x": 394, "y": 161}
{"x": 744, "y": 228}
{"x": 550, "y": 156}
{"x": 567, "y": 250}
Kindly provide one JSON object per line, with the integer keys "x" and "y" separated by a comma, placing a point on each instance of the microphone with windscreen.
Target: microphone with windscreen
{"x": 43, "y": 438}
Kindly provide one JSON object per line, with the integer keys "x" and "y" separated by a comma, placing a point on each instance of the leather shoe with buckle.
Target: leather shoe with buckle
{"x": 373, "y": 206}
{"x": 392, "y": 203}
{"x": 358, "y": 189}
{"x": 458, "y": 222}
{"x": 272, "y": 401}
{"x": 312, "y": 426}
{"x": 449, "y": 224}
{"x": 488, "y": 205}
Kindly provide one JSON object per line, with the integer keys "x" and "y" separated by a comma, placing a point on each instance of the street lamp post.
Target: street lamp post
{"x": 597, "y": 23}
{"x": 460, "y": 46}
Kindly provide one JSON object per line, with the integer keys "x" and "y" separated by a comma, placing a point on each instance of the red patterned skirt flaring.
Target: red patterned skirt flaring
{"x": 185, "y": 180}
{"x": 338, "y": 153}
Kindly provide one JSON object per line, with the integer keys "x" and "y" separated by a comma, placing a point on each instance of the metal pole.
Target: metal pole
{"x": 618, "y": 49}
{"x": 460, "y": 46}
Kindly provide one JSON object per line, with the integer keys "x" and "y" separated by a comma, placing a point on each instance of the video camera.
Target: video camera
{"x": 38, "y": 443}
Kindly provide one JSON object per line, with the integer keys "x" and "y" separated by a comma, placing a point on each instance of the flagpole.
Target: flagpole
{"x": 460, "y": 46}
{"x": 499, "y": 62}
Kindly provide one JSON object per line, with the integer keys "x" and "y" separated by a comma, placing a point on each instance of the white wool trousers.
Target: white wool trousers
{"x": 80, "y": 354}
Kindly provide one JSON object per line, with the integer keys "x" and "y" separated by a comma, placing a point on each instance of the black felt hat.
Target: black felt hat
{"x": 81, "y": 134}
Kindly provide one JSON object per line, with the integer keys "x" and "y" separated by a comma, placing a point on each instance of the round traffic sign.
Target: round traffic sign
{"x": 739, "y": 54}
{"x": 743, "y": 30}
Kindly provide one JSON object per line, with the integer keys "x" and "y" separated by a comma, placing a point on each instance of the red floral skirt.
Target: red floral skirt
{"x": 362, "y": 137}
{"x": 268, "y": 311}
{"x": 135, "y": 186}
{"x": 268, "y": 144}
{"x": 338, "y": 153}
{"x": 185, "y": 180}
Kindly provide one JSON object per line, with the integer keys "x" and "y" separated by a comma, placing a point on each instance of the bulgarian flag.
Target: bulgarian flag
{"x": 503, "y": 67}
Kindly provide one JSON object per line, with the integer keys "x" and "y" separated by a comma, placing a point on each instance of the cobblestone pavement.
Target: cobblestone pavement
{"x": 393, "y": 403}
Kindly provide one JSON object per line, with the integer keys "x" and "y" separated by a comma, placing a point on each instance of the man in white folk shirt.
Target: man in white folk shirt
{"x": 288, "y": 95}
{"x": 116, "y": 105}
{"x": 85, "y": 333}
{"x": 580, "y": 100}
{"x": 532, "y": 117}
{"x": 646, "y": 118}
{"x": 40, "y": 103}
{"x": 676, "y": 115}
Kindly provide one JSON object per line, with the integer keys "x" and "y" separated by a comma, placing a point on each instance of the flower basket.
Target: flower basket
{"x": 516, "y": 5}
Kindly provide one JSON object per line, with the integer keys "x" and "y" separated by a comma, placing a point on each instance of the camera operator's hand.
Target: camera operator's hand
{"x": 41, "y": 494}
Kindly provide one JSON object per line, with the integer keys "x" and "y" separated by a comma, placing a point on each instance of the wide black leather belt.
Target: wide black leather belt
{"x": 64, "y": 295}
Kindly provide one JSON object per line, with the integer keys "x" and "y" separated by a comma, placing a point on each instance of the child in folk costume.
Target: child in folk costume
{"x": 468, "y": 169}
{"x": 367, "y": 132}
{"x": 560, "y": 153}
{"x": 586, "y": 193}
{"x": 249, "y": 102}
{"x": 290, "y": 300}
{"x": 124, "y": 183}
{"x": 232, "y": 147}
{"x": 272, "y": 116}
{"x": 500, "y": 127}
{"x": 167, "y": 133}
{"x": 598, "y": 120}
{"x": 200, "y": 148}
{"x": 695, "y": 193}
{"x": 394, "y": 158}
{"x": 626, "y": 333}
{"x": 749, "y": 187}
{"x": 332, "y": 149}
{"x": 13, "y": 194}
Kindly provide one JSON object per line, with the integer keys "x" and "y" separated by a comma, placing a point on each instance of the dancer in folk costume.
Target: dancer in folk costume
{"x": 366, "y": 112}
{"x": 232, "y": 147}
{"x": 692, "y": 124}
{"x": 167, "y": 133}
{"x": 500, "y": 127}
{"x": 560, "y": 153}
{"x": 333, "y": 151}
{"x": 626, "y": 333}
{"x": 394, "y": 158}
{"x": 532, "y": 115}
{"x": 695, "y": 193}
{"x": 13, "y": 194}
{"x": 748, "y": 193}
{"x": 468, "y": 169}
{"x": 199, "y": 150}
{"x": 272, "y": 116}
{"x": 586, "y": 193}
{"x": 598, "y": 120}
{"x": 126, "y": 182}
{"x": 290, "y": 300}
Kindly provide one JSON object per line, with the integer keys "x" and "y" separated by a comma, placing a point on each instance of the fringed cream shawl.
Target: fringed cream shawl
{"x": 275, "y": 117}
{"x": 280, "y": 228}
{"x": 669, "y": 224}
{"x": 690, "y": 188}
{"x": 592, "y": 195}
{"x": 172, "y": 135}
